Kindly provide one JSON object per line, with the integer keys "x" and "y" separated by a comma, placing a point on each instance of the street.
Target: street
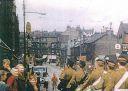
{"x": 52, "y": 68}
{"x": 86, "y": 40}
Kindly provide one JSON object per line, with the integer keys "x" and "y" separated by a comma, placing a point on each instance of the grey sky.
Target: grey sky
{"x": 86, "y": 13}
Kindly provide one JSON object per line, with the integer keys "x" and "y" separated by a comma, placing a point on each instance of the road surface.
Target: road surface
{"x": 51, "y": 68}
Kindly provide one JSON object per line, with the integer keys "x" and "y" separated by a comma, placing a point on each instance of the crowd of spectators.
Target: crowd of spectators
{"x": 16, "y": 78}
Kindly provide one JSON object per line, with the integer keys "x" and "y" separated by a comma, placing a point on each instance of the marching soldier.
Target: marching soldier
{"x": 120, "y": 77}
{"x": 66, "y": 77}
{"x": 95, "y": 76}
{"x": 78, "y": 77}
{"x": 107, "y": 75}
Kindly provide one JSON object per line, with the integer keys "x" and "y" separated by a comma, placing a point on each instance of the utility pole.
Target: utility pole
{"x": 80, "y": 41}
{"x": 24, "y": 34}
{"x": 24, "y": 20}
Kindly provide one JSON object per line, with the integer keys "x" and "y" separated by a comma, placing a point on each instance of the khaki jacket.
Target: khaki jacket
{"x": 77, "y": 76}
{"x": 95, "y": 75}
{"x": 67, "y": 74}
{"x": 115, "y": 78}
{"x": 105, "y": 81}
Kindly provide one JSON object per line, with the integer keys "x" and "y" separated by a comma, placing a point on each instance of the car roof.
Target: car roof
{"x": 39, "y": 66}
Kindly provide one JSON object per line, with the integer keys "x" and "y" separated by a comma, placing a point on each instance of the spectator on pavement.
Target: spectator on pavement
{"x": 6, "y": 67}
{"x": 54, "y": 82}
{"x": 3, "y": 85}
{"x": 21, "y": 78}
{"x": 46, "y": 81}
{"x": 12, "y": 80}
{"x": 32, "y": 84}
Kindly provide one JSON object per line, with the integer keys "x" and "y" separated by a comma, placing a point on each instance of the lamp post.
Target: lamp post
{"x": 24, "y": 62}
{"x": 24, "y": 20}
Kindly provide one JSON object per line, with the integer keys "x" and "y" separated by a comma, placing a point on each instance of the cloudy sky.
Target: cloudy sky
{"x": 86, "y": 13}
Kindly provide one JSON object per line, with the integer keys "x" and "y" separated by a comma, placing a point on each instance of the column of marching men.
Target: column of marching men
{"x": 16, "y": 79}
{"x": 106, "y": 75}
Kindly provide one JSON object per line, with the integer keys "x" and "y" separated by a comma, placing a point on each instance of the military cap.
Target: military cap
{"x": 123, "y": 58}
{"x": 82, "y": 64}
{"x": 70, "y": 63}
{"x": 99, "y": 61}
{"x": 110, "y": 62}
{"x": 111, "y": 59}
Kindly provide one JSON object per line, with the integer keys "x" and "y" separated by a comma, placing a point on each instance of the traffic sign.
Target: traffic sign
{"x": 28, "y": 27}
{"x": 117, "y": 46}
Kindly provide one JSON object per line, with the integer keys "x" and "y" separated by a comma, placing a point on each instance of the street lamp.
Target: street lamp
{"x": 37, "y": 13}
{"x": 24, "y": 62}
{"x": 24, "y": 19}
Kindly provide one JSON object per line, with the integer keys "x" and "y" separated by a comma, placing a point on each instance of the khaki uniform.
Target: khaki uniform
{"x": 61, "y": 76}
{"x": 116, "y": 77}
{"x": 105, "y": 81}
{"x": 78, "y": 75}
{"x": 95, "y": 75}
{"x": 67, "y": 74}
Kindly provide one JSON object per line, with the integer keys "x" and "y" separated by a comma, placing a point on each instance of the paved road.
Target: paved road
{"x": 52, "y": 68}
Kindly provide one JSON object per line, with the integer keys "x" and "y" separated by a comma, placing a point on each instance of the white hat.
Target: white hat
{"x": 97, "y": 58}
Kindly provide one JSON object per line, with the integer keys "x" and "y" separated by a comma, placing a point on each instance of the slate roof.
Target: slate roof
{"x": 94, "y": 37}
{"x": 91, "y": 38}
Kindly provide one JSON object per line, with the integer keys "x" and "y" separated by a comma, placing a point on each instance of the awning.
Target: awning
{"x": 52, "y": 56}
{"x": 45, "y": 56}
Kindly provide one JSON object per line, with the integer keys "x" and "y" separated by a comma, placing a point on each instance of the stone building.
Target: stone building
{"x": 72, "y": 35}
{"x": 98, "y": 44}
{"x": 123, "y": 37}
{"x": 42, "y": 44}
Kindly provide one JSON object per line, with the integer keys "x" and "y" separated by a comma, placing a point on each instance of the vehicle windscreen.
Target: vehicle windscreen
{"x": 41, "y": 70}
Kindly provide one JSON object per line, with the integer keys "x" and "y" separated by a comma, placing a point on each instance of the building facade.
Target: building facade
{"x": 98, "y": 44}
{"x": 123, "y": 37}
{"x": 42, "y": 43}
{"x": 9, "y": 30}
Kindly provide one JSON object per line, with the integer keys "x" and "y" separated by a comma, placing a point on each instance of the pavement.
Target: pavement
{"x": 51, "y": 68}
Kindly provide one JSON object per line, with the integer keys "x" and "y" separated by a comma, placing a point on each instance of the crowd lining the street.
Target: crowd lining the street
{"x": 18, "y": 79}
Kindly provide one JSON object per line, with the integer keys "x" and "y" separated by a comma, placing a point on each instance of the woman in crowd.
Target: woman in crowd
{"x": 32, "y": 84}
